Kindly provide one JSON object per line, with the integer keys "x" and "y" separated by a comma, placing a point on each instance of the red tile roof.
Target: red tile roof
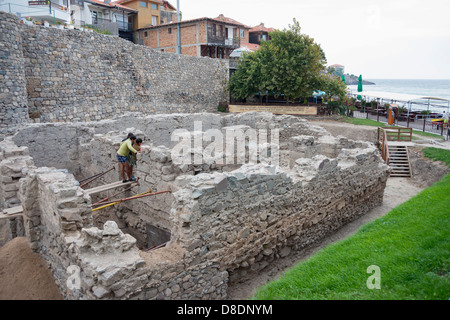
{"x": 261, "y": 27}
{"x": 162, "y": 2}
{"x": 124, "y": 1}
{"x": 251, "y": 46}
{"x": 222, "y": 18}
{"x": 197, "y": 19}
{"x": 111, "y": 4}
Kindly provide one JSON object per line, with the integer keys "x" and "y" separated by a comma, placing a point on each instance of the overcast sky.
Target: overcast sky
{"x": 380, "y": 39}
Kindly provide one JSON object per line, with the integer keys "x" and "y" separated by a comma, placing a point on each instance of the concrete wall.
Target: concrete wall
{"x": 68, "y": 75}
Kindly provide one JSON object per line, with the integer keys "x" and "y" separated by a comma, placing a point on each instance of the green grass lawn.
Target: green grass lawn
{"x": 410, "y": 246}
{"x": 437, "y": 154}
{"x": 373, "y": 123}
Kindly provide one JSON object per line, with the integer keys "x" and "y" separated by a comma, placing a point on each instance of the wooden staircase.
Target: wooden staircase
{"x": 393, "y": 144}
{"x": 399, "y": 160}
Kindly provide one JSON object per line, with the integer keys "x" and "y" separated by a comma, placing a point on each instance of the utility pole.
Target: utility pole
{"x": 178, "y": 27}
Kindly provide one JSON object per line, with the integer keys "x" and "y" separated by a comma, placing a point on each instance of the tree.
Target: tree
{"x": 290, "y": 65}
{"x": 333, "y": 87}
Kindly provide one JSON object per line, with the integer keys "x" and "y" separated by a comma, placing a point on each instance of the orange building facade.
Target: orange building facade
{"x": 150, "y": 12}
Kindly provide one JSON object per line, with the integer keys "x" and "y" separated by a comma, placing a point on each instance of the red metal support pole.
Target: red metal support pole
{"x": 107, "y": 198}
{"x": 96, "y": 177}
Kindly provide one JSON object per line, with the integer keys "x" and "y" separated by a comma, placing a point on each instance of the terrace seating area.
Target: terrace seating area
{"x": 419, "y": 120}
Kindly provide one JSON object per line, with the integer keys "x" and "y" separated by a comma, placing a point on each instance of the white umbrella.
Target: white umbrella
{"x": 238, "y": 52}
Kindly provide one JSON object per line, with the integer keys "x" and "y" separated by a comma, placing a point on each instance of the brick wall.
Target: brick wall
{"x": 193, "y": 36}
{"x": 166, "y": 38}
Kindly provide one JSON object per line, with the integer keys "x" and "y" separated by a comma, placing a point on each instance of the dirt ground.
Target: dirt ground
{"x": 24, "y": 275}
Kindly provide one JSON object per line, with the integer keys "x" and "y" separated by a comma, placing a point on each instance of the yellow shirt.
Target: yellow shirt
{"x": 125, "y": 148}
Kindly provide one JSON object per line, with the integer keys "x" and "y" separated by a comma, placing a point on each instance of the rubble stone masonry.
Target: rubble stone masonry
{"x": 52, "y": 75}
{"x": 226, "y": 221}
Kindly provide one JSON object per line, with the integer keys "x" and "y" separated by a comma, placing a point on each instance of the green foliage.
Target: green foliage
{"x": 222, "y": 107}
{"x": 373, "y": 105}
{"x": 333, "y": 86}
{"x": 103, "y": 31}
{"x": 289, "y": 65}
{"x": 336, "y": 107}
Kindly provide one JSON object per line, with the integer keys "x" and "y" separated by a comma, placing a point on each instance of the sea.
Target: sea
{"x": 423, "y": 87}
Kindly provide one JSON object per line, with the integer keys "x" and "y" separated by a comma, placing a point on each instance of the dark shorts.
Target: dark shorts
{"x": 131, "y": 160}
{"x": 122, "y": 159}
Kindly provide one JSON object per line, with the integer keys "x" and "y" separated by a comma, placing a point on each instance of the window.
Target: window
{"x": 119, "y": 18}
{"x": 154, "y": 20}
{"x": 154, "y": 6}
{"x": 143, "y": 4}
{"x": 145, "y": 34}
{"x": 95, "y": 16}
{"x": 170, "y": 30}
{"x": 214, "y": 29}
{"x": 242, "y": 33}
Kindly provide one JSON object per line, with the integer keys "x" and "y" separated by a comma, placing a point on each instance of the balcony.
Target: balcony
{"x": 125, "y": 26}
{"x": 77, "y": 2}
{"x": 223, "y": 41}
{"x": 53, "y": 11}
{"x": 49, "y": 4}
{"x": 105, "y": 25}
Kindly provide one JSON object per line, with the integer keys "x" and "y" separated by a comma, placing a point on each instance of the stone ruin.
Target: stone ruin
{"x": 219, "y": 223}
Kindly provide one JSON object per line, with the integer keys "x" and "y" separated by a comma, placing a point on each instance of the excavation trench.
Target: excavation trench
{"x": 217, "y": 223}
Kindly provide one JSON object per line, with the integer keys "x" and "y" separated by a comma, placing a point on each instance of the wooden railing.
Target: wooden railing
{"x": 384, "y": 146}
{"x": 394, "y": 134}
{"x": 391, "y": 134}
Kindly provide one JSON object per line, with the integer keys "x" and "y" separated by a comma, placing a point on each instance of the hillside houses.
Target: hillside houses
{"x": 152, "y": 23}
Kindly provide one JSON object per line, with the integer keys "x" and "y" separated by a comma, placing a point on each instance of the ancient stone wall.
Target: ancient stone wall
{"x": 13, "y": 97}
{"x": 14, "y": 165}
{"x": 67, "y": 75}
{"x": 226, "y": 221}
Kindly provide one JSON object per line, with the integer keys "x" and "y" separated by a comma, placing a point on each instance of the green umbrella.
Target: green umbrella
{"x": 360, "y": 87}
{"x": 343, "y": 78}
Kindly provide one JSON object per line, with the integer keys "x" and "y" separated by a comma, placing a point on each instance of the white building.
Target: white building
{"x": 52, "y": 11}
{"x": 103, "y": 15}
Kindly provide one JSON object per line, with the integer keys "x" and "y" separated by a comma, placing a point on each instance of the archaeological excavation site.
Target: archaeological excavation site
{"x": 184, "y": 229}
{"x": 189, "y": 230}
